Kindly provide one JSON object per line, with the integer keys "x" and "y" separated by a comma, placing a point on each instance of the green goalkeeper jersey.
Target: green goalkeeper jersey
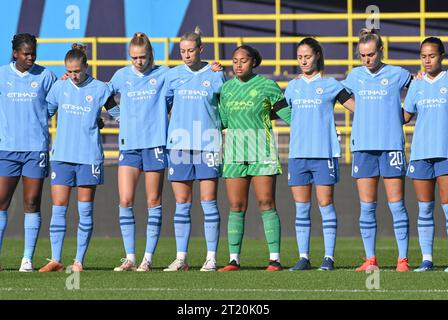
{"x": 245, "y": 109}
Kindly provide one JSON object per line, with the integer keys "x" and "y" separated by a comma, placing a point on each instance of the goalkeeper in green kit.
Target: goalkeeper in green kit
{"x": 248, "y": 104}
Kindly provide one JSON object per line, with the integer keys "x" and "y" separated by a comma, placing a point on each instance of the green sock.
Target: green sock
{"x": 235, "y": 231}
{"x": 271, "y": 223}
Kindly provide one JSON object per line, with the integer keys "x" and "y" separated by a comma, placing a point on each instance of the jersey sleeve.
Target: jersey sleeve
{"x": 405, "y": 77}
{"x": 219, "y": 81}
{"x": 53, "y": 94}
{"x": 105, "y": 94}
{"x": 349, "y": 82}
{"x": 49, "y": 80}
{"x": 222, "y": 110}
{"x": 273, "y": 92}
{"x": 114, "y": 83}
{"x": 409, "y": 102}
{"x": 168, "y": 85}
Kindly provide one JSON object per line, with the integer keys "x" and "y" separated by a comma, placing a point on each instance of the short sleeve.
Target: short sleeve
{"x": 337, "y": 87}
{"x": 349, "y": 82}
{"x": 49, "y": 80}
{"x": 405, "y": 77}
{"x": 273, "y": 92}
{"x": 107, "y": 92}
{"x": 409, "y": 102}
{"x": 219, "y": 81}
{"x": 167, "y": 85}
{"x": 114, "y": 83}
{"x": 53, "y": 94}
{"x": 288, "y": 93}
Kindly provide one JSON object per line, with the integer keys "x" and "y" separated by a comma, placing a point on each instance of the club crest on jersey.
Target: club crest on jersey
{"x": 253, "y": 93}
{"x": 319, "y": 90}
{"x": 152, "y": 81}
{"x": 443, "y": 90}
{"x": 384, "y": 82}
{"x": 89, "y": 98}
{"x": 34, "y": 84}
{"x": 206, "y": 83}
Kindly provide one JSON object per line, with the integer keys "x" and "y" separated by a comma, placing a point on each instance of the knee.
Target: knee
{"x": 31, "y": 204}
{"x": 126, "y": 203}
{"x": 325, "y": 202}
{"x": 238, "y": 206}
{"x": 153, "y": 199}
{"x": 266, "y": 204}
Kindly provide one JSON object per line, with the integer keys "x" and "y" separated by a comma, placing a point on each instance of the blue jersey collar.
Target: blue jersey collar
{"x": 85, "y": 83}
{"x": 309, "y": 80}
{"x": 203, "y": 69}
{"x": 439, "y": 76}
{"x": 20, "y": 74}
{"x": 380, "y": 70}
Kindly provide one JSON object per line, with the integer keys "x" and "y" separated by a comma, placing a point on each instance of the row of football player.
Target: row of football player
{"x": 146, "y": 94}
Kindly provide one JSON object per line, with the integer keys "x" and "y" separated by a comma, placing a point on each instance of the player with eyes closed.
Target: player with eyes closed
{"x": 77, "y": 153}
{"x": 377, "y": 144}
{"x": 248, "y": 103}
{"x": 428, "y": 166}
{"x": 314, "y": 148}
{"x": 194, "y": 143}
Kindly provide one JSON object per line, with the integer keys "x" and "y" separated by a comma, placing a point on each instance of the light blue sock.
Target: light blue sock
{"x": 153, "y": 228}
{"x": 329, "y": 226}
{"x": 425, "y": 226}
{"x": 127, "y": 226}
{"x": 85, "y": 227}
{"x": 182, "y": 226}
{"x": 367, "y": 225}
{"x": 211, "y": 224}
{"x": 32, "y": 227}
{"x": 445, "y": 209}
{"x": 303, "y": 226}
{"x": 401, "y": 227}
{"x": 58, "y": 227}
{"x": 3, "y": 224}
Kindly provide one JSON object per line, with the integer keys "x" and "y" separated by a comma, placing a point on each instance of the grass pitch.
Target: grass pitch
{"x": 252, "y": 282}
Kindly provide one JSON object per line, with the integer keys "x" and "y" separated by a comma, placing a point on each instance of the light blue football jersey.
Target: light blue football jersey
{"x": 77, "y": 135}
{"x": 143, "y": 107}
{"x": 23, "y": 109}
{"x": 195, "y": 123}
{"x": 429, "y": 99}
{"x": 313, "y": 130}
{"x": 378, "y": 119}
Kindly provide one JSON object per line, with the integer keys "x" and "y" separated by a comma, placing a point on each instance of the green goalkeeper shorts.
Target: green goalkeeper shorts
{"x": 240, "y": 170}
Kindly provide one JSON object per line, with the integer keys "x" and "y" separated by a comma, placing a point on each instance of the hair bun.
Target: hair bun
{"x": 197, "y": 30}
{"x": 78, "y": 46}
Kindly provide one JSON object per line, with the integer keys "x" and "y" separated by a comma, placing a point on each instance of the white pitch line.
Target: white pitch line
{"x": 234, "y": 290}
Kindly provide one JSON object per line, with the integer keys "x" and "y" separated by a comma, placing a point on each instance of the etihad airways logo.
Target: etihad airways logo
{"x": 21, "y": 95}
{"x": 372, "y": 94}
{"x": 74, "y": 109}
{"x": 235, "y": 104}
{"x": 141, "y": 93}
{"x": 431, "y": 103}
{"x": 192, "y": 94}
{"x": 301, "y": 102}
